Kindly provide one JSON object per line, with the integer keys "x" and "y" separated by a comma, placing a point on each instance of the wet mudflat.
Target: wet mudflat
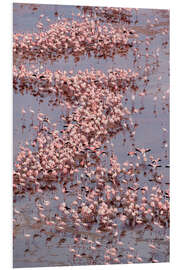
{"x": 91, "y": 135}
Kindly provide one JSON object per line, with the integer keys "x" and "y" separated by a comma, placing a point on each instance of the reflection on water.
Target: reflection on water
{"x": 91, "y": 152}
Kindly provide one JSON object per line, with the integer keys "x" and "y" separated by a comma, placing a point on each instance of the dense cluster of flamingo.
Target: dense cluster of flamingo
{"x": 79, "y": 159}
{"x": 73, "y": 87}
{"x": 111, "y": 15}
{"x": 77, "y": 38}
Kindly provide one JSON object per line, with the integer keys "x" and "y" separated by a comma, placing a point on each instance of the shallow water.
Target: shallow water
{"x": 49, "y": 247}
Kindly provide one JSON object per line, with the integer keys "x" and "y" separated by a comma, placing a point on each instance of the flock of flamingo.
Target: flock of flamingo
{"x": 91, "y": 195}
